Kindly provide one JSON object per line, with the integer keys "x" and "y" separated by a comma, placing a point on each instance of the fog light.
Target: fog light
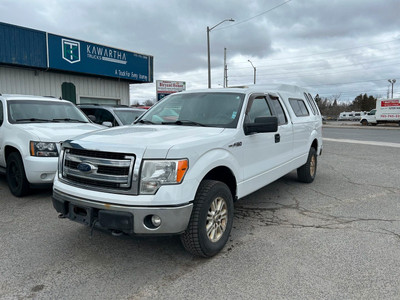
{"x": 156, "y": 220}
{"x": 43, "y": 176}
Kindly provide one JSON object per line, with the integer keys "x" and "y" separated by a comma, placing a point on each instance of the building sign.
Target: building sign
{"x": 165, "y": 88}
{"x": 84, "y": 57}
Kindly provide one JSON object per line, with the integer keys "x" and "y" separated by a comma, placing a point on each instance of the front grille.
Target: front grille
{"x": 105, "y": 170}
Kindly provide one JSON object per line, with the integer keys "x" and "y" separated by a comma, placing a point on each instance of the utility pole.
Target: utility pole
{"x": 392, "y": 81}
{"x": 225, "y": 71}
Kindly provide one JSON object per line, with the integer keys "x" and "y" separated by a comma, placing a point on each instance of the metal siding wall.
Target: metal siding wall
{"x": 22, "y": 46}
{"x": 31, "y": 82}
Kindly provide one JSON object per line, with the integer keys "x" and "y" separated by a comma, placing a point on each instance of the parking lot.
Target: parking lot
{"x": 337, "y": 238}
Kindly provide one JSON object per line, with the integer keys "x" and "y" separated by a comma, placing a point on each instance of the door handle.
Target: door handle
{"x": 277, "y": 138}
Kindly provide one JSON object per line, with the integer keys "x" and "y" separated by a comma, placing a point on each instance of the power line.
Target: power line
{"x": 251, "y": 18}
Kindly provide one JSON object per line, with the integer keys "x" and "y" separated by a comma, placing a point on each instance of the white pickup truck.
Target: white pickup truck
{"x": 179, "y": 169}
{"x": 31, "y": 129}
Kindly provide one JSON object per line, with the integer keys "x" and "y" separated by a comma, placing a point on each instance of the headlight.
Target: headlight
{"x": 43, "y": 149}
{"x": 156, "y": 173}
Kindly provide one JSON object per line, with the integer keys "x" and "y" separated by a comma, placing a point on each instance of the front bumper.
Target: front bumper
{"x": 128, "y": 219}
{"x": 40, "y": 170}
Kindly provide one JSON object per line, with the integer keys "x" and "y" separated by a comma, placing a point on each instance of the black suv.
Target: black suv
{"x": 111, "y": 115}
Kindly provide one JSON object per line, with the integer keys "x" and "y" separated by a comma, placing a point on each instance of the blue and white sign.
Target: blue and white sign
{"x": 83, "y": 57}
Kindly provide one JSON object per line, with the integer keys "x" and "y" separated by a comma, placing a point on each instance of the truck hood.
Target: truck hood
{"x": 57, "y": 132}
{"x": 145, "y": 140}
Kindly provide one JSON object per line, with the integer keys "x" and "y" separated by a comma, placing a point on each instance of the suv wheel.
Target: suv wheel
{"x": 211, "y": 220}
{"x": 15, "y": 173}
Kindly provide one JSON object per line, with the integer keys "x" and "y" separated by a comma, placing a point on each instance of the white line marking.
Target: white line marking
{"x": 384, "y": 144}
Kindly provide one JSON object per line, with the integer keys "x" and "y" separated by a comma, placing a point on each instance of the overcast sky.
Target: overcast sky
{"x": 334, "y": 48}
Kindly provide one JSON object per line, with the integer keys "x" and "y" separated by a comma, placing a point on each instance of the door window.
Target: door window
{"x": 280, "y": 114}
{"x": 259, "y": 108}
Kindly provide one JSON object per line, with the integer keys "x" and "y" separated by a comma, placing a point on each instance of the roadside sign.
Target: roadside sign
{"x": 165, "y": 88}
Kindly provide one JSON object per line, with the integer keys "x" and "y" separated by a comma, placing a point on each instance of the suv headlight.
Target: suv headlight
{"x": 43, "y": 149}
{"x": 156, "y": 173}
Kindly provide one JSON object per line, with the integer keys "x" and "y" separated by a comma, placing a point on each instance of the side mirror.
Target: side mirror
{"x": 262, "y": 124}
{"x": 108, "y": 124}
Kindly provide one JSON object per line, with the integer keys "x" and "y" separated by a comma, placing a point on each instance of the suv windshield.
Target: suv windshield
{"x": 128, "y": 116}
{"x": 29, "y": 111}
{"x": 211, "y": 109}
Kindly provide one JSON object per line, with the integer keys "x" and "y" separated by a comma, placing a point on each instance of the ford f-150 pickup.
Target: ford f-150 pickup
{"x": 181, "y": 166}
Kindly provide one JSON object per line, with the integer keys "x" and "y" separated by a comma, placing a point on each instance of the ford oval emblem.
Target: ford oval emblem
{"x": 86, "y": 168}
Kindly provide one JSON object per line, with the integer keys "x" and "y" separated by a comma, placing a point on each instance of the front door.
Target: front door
{"x": 264, "y": 154}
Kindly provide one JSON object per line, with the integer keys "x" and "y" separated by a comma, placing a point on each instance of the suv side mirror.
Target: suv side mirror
{"x": 261, "y": 124}
{"x": 107, "y": 123}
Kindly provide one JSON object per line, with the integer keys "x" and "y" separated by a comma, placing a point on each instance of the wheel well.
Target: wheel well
{"x": 224, "y": 175}
{"x": 315, "y": 144}
{"x": 8, "y": 150}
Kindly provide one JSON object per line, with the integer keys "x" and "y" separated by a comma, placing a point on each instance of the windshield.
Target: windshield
{"x": 197, "y": 109}
{"x": 29, "y": 111}
{"x": 128, "y": 116}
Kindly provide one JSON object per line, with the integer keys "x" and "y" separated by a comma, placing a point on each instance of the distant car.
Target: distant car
{"x": 111, "y": 115}
{"x": 31, "y": 131}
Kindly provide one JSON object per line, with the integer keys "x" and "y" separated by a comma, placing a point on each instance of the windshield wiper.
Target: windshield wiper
{"x": 184, "y": 122}
{"x": 145, "y": 122}
{"x": 33, "y": 120}
{"x": 68, "y": 120}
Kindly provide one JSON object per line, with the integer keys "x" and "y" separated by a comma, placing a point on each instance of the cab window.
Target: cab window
{"x": 299, "y": 107}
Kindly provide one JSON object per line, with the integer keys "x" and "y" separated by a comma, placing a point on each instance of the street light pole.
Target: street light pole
{"x": 254, "y": 70}
{"x": 208, "y": 48}
{"x": 392, "y": 81}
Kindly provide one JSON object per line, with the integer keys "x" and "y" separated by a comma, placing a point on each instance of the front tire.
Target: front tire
{"x": 307, "y": 172}
{"x": 364, "y": 122}
{"x": 211, "y": 220}
{"x": 15, "y": 173}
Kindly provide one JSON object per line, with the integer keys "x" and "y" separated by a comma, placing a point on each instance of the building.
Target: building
{"x": 39, "y": 63}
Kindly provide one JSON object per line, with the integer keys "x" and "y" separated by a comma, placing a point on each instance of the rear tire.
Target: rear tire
{"x": 15, "y": 173}
{"x": 308, "y": 171}
{"x": 211, "y": 220}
